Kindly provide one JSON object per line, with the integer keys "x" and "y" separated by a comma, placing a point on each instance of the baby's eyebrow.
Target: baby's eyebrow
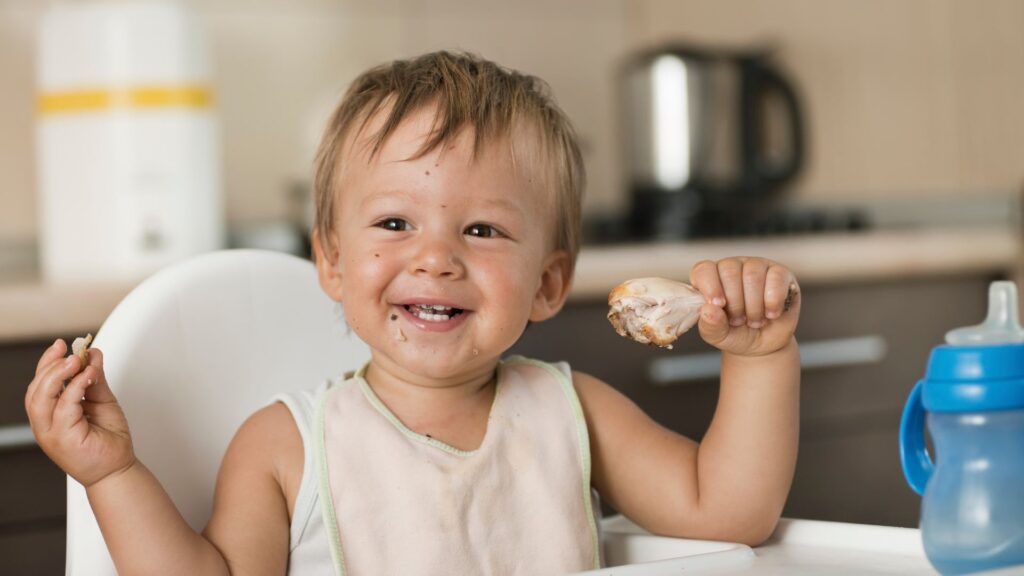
{"x": 387, "y": 195}
{"x": 496, "y": 203}
{"x": 502, "y": 204}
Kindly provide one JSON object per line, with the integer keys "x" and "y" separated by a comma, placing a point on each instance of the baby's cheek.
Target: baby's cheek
{"x": 367, "y": 266}
{"x": 357, "y": 320}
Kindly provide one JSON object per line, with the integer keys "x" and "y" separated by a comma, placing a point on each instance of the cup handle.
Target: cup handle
{"x": 917, "y": 464}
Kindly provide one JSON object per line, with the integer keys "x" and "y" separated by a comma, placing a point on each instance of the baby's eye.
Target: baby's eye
{"x": 483, "y": 231}
{"x": 393, "y": 224}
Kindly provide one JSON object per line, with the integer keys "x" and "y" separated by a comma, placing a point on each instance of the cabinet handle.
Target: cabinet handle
{"x": 815, "y": 354}
{"x": 16, "y": 436}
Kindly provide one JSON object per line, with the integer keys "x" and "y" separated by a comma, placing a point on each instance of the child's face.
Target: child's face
{"x": 471, "y": 234}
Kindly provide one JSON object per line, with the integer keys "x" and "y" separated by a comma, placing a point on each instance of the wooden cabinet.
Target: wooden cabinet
{"x": 32, "y": 488}
{"x": 870, "y": 342}
{"x": 32, "y": 513}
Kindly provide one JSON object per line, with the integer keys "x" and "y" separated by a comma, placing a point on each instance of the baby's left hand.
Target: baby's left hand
{"x": 753, "y": 304}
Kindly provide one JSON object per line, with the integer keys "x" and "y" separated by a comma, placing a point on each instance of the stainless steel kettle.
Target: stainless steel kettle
{"x": 707, "y": 133}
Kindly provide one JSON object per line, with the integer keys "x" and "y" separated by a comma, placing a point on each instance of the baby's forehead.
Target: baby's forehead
{"x": 417, "y": 133}
{"x": 520, "y": 148}
{"x": 522, "y": 171}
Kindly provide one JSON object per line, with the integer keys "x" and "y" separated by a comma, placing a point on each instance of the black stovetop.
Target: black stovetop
{"x": 613, "y": 229}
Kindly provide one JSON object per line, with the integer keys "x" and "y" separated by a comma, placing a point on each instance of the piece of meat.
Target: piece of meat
{"x": 80, "y": 348}
{"x": 654, "y": 310}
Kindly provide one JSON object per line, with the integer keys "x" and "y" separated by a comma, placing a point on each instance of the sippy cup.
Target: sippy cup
{"x": 972, "y": 514}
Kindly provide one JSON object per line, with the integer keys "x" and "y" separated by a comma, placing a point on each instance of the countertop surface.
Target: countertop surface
{"x": 31, "y": 308}
{"x": 814, "y": 259}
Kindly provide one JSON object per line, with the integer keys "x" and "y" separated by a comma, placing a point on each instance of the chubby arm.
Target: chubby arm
{"x": 255, "y": 496}
{"x": 143, "y": 530}
{"x": 733, "y": 485}
{"x": 78, "y": 422}
{"x": 248, "y": 530}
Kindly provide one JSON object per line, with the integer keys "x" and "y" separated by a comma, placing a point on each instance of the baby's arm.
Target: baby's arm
{"x": 733, "y": 485}
{"x": 248, "y": 530}
{"x": 84, "y": 431}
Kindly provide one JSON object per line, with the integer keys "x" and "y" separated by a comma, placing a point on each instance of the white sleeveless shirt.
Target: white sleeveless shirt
{"x": 378, "y": 499}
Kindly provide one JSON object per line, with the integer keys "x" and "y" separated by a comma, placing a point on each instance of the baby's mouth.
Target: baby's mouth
{"x": 433, "y": 312}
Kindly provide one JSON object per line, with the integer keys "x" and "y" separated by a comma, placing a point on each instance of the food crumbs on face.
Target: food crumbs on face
{"x": 80, "y": 348}
{"x": 399, "y": 335}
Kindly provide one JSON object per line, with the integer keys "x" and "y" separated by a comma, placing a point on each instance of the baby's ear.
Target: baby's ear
{"x": 328, "y": 270}
{"x": 555, "y": 281}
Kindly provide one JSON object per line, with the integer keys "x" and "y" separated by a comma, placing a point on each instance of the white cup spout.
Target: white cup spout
{"x": 1001, "y": 326}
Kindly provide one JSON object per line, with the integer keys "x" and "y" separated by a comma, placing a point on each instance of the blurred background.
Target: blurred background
{"x": 880, "y": 158}
{"x": 915, "y": 97}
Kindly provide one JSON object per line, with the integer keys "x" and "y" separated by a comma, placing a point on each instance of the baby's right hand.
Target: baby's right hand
{"x": 81, "y": 428}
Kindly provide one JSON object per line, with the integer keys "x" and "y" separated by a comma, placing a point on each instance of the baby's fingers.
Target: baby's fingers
{"x": 779, "y": 291}
{"x": 68, "y": 413}
{"x": 730, "y": 271}
{"x": 101, "y": 391}
{"x": 754, "y": 275}
{"x": 42, "y": 396}
{"x": 704, "y": 277}
{"x": 55, "y": 352}
{"x": 51, "y": 356}
{"x": 714, "y": 324}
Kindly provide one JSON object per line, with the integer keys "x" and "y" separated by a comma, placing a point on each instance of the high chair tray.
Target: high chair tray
{"x": 797, "y": 548}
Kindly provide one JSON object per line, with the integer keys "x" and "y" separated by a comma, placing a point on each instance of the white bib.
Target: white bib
{"x": 397, "y": 502}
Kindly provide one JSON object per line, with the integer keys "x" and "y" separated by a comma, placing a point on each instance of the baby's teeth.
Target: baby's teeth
{"x": 432, "y": 317}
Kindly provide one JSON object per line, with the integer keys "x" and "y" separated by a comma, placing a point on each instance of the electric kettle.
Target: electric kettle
{"x": 705, "y": 131}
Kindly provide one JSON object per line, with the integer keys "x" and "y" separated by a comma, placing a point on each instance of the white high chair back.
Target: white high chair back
{"x": 191, "y": 353}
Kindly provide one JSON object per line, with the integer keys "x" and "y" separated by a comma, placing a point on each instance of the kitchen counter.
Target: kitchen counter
{"x": 814, "y": 259}
{"x": 30, "y": 308}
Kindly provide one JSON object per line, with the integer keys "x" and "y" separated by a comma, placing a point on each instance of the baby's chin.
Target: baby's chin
{"x": 443, "y": 366}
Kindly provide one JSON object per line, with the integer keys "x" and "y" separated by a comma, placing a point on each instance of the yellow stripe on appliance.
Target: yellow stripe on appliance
{"x": 142, "y": 97}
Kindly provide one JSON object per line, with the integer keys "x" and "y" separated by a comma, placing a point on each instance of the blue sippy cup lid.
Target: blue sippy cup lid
{"x": 981, "y": 367}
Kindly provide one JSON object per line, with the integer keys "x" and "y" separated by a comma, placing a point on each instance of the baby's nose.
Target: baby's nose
{"x": 438, "y": 259}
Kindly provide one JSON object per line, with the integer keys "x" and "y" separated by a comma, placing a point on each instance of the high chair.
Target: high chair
{"x": 199, "y": 346}
{"x": 194, "y": 350}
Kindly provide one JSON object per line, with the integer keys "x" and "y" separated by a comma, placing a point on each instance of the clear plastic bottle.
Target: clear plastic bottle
{"x": 972, "y": 514}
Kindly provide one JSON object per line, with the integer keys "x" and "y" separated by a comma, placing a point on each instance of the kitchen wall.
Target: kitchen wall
{"x": 908, "y": 96}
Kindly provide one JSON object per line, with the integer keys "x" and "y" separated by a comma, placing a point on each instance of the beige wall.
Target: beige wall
{"x": 913, "y": 96}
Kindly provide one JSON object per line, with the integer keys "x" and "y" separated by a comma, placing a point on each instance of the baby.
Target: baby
{"x": 448, "y": 207}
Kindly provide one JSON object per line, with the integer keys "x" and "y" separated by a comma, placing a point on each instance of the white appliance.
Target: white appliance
{"x": 128, "y": 144}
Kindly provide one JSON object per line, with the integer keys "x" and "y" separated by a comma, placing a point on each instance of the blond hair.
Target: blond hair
{"x": 468, "y": 91}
